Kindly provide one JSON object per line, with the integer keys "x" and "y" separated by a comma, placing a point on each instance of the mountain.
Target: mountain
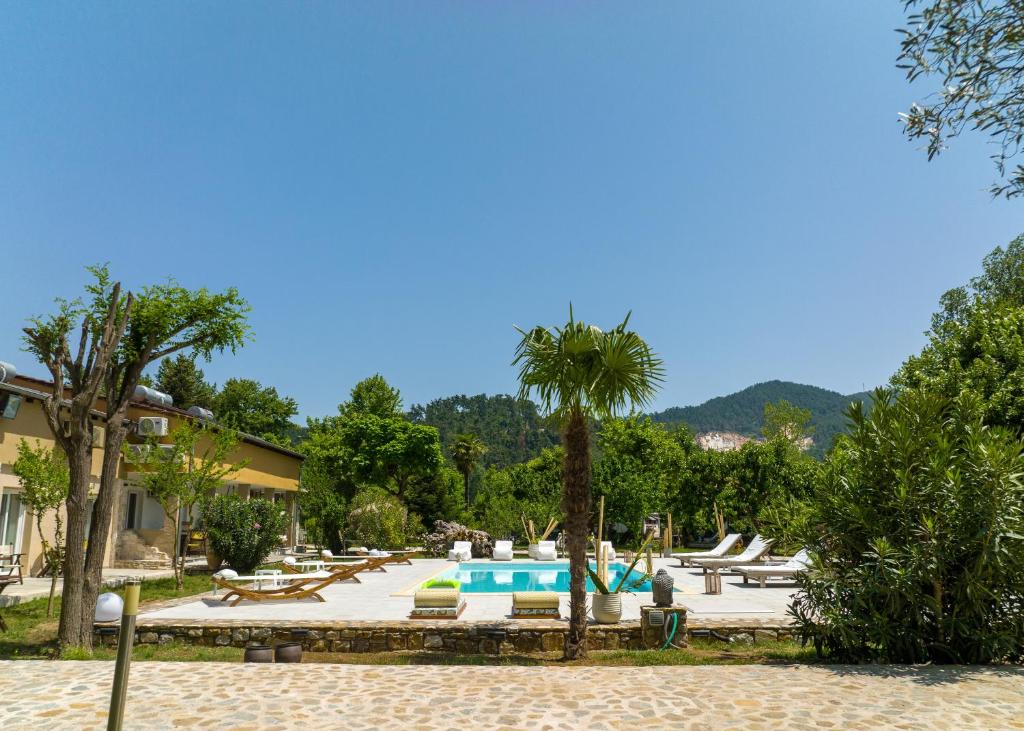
{"x": 742, "y": 412}
{"x": 512, "y": 429}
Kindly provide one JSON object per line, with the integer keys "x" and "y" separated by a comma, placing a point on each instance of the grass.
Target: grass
{"x": 31, "y": 635}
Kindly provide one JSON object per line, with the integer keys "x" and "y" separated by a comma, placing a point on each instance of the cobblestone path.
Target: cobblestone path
{"x": 222, "y": 696}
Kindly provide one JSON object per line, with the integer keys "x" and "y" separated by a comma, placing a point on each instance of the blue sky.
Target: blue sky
{"x": 394, "y": 185}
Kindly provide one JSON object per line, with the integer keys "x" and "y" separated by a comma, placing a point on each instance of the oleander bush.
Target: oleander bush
{"x": 377, "y": 519}
{"x": 916, "y": 530}
{"x": 445, "y": 534}
{"x": 244, "y": 532}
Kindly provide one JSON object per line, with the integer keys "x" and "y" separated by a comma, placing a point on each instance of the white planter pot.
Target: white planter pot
{"x": 606, "y": 608}
{"x": 532, "y": 550}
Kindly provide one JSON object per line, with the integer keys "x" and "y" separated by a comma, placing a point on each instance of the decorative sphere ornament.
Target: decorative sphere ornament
{"x": 109, "y": 607}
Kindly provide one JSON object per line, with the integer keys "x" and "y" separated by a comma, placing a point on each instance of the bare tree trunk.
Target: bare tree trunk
{"x": 576, "y": 506}
{"x": 179, "y": 556}
{"x": 99, "y": 530}
{"x": 69, "y": 632}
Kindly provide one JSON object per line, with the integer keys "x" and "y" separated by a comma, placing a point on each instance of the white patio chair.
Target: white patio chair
{"x": 461, "y": 551}
{"x": 502, "y": 551}
{"x": 718, "y": 551}
{"x": 796, "y": 565}
{"x": 546, "y": 551}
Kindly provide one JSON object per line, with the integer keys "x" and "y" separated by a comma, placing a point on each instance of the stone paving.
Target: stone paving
{"x": 222, "y": 696}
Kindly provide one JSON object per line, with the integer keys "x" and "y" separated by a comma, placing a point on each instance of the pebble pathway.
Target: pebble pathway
{"x": 223, "y": 696}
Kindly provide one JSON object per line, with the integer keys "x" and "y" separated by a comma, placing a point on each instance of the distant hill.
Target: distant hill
{"x": 742, "y": 412}
{"x": 512, "y": 429}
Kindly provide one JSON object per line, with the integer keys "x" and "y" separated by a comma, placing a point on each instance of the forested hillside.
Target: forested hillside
{"x": 743, "y": 411}
{"x": 512, "y": 429}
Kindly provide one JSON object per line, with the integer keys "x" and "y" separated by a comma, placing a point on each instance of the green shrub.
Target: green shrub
{"x": 377, "y": 519}
{"x": 442, "y": 584}
{"x": 917, "y": 534}
{"x": 243, "y": 532}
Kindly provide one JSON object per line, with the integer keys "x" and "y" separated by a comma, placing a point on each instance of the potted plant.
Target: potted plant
{"x": 606, "y": 602}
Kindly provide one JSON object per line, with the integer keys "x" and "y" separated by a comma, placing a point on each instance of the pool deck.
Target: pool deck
{"x": 388, "y": 596}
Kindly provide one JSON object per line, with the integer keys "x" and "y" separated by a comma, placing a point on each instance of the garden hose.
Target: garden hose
{"x": 670, "y": 635}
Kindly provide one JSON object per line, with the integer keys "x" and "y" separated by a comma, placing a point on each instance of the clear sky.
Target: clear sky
{"x": 394, "y": 185}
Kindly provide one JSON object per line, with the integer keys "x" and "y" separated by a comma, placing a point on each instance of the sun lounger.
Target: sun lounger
{"x": 300, "y": 586}
{"x": 754, "y": 554}
{"x": 798, "y": 564}
{"x": 502, "y": 551}
{"x": 546, "y": 551}
{"x": 535, "y": 605}
{"x": 718, "y": 551}
{"x": 461, "y": 551}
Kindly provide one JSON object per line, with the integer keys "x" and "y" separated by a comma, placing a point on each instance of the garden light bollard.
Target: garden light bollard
{"x": 124, "y": 655}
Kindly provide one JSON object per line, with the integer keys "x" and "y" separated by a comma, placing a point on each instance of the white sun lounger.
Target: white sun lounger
{"x": 798, "y": 564}
{"x": 718, "y": 551}
{"x": 753, "y": 555}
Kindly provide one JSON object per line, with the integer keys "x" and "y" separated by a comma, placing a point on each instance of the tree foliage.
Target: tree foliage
{"x": 44, "y": 478}
{"x": 186, "y": 472}
{"x": 249, "y": 407}
{"x": 512, "y": 428}
{"x": 373, "y": 395}
{"x": 974, "y": 48}
{"x": 529, "y": 490}
{"x": 377, "y": 519}
{"x": 181, "y": 379}
{"x": 783, "y": 419}
{"x": 976, "y": 342}
{"x": 466, "y": 451}
{"x": 917, "y": 533}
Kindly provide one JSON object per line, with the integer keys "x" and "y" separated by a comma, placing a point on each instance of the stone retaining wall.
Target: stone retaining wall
{"x": 448, "y": 636}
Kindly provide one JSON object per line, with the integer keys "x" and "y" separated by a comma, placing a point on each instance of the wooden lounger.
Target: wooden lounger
{"x": 300, "y": 589}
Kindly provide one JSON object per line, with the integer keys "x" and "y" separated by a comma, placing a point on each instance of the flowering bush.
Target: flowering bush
{"x": 445, "y": 534}
{"x": 243, "y": 532}
{"x": 377, "y": 519}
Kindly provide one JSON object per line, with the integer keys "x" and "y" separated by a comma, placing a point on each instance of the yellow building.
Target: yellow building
{"x": 142, "y": 536}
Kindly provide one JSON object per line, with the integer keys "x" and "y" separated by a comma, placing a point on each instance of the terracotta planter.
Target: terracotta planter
{"x": 213, "y": 559}
{"x": 259, "y": 653}
{"x": 288, "y": 652}
{"x": 607, "y": 608}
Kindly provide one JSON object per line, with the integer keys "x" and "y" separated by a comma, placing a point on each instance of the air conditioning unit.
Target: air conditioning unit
{"x": 139, "y": 453}
{"x": 152, "y": 426}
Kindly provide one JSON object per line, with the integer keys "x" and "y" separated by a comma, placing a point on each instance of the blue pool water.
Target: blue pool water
{"x": 506, "y": 577}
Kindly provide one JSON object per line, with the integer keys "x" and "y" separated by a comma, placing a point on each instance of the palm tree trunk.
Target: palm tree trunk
{"x": 576, "y": 506}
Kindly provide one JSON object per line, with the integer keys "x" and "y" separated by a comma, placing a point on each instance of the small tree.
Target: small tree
{"x": 788, "y": 421}
{"x": 377, "y": 519}
{"x": 580, "y": 373}
{"x": 186, "y": 473}
{"x": 44, "y": 477}
{"x": 467, "y": 449}
{"x": 119, "y": 334}
{"x": 181, "y": 379}
{"x": 244, "y": 532}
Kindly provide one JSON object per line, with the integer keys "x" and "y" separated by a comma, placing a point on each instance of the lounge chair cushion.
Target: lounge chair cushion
{"x": 436, "y": 598}
{"x": 535, "y": 600}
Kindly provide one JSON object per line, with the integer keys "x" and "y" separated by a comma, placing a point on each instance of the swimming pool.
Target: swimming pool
{"x": 506, "y": 577}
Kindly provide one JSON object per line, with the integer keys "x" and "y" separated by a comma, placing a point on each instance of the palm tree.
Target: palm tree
{"x": 580, "y": 373}
{"x": 467, "y": 449}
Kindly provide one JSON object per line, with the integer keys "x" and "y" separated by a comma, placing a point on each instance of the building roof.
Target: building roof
{"x": 171, "y": 410}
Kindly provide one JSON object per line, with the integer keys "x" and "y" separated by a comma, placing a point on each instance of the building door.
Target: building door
{"x": 133, "y": 511}
{"x": 12, "y": 520}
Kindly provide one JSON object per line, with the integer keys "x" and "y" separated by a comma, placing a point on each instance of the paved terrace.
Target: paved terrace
{"x": 388, "y": 596}
{"x": 222, "y": 696}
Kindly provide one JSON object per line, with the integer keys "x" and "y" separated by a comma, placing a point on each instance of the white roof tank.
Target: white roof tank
{"x": 7, "y": 372}
{"x": 145, "y": 393}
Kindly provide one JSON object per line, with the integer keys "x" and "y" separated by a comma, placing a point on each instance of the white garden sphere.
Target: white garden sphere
{"x": 226, "y": 574}
{"x": 289, "y": 560}
{"x": 109, "y": 607}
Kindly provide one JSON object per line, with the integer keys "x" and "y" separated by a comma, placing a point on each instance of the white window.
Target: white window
{"x": 12, "y": 520}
